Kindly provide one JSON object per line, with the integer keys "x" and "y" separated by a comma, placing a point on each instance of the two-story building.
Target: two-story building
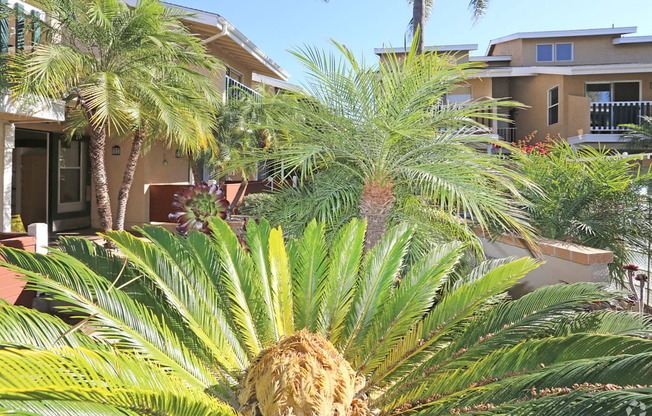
{"x": 582, "y": 85}
{"x": 45, "y": 179}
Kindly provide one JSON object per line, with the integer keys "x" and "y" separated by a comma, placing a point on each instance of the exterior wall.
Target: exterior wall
{"x": 481, "y": 87}
{"x": 588, "y": 50}
{"x": 555, "y": 269}
{"x": 533, "y": 92}
{"x": 151, "y": 169}
{"x": 513, "y": 48}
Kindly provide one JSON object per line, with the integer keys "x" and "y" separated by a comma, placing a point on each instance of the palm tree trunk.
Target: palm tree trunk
{"x": 128, "y": 179}
{"x": 376, "y": 202}
{"x": 100, "y": 182}
{"x": 418, "y": 22}
{"x": 194, "y": 167}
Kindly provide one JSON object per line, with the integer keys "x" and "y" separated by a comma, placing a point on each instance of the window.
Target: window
{"x": 553, "y": 105}
{"x": 233, "y": 74}
{"x": 71, "y": 180}
{"x": 544, "y": 53}
{"x": 461, "y": 94}
{"x": 564, "y": 52}
{"x": 559, "y": 52}
{"x": 604, "y": 92}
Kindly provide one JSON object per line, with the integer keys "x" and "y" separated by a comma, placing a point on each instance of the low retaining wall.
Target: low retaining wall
{"x": 564, "y": 262}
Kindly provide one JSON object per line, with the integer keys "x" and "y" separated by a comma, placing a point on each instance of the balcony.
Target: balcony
{"x": 238, "y": 91}
{"x": 609, "y": 117}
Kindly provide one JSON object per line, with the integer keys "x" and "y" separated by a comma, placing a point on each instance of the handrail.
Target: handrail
{"x": 237, "y": 90}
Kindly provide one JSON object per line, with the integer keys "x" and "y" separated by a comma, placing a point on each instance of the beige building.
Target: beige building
{"x": 582, "y": 85}
{"x": 45, "y": 179}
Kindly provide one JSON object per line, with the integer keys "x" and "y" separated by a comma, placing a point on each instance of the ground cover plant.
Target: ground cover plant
{"x": 205, "y": 325}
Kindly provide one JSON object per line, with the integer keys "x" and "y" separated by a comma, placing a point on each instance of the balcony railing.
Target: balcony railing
{"x": 508, "y": 134}
{"x": 608, "y": 117}
{"x": 238, "y": 91}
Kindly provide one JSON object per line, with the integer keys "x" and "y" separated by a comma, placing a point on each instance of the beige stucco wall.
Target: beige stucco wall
{"x": 589, "y": 50}
{"x": 574, "y": 107}
{"x": 513, "y": 48}
{"x": 150, "y": 170}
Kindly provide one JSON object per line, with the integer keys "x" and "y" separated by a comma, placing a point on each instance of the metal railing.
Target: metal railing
{"x": 610, "y": 116}
{"x": 238, "y": 91}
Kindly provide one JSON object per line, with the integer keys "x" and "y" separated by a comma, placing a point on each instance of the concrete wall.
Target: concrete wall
{"x": 564, "y": 263}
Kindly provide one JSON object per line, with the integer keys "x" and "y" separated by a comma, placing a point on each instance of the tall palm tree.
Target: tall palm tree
{"x": 384, "y": 125}
{"x": 422, "y": 9}
{"x": 204, "y": 326}
{"x": 126, "y": 69}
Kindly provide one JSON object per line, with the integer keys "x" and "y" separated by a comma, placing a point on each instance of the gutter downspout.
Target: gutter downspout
{"x": 225, "y": 30}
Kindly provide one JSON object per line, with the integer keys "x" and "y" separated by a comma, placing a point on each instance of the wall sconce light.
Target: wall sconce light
{"x": 178, "y": 154}
{"x": 165, "y": 160}
{"x": 115, "y": 150}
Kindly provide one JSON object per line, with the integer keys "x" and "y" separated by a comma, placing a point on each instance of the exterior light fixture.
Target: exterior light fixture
{"x": 165, "y": 160}
{"x": 115, "y": 150}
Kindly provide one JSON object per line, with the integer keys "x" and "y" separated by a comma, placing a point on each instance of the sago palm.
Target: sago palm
{"x": 204, "y": 326}
{"x": 119, "y": 67}
{"x": 385, "y": 126}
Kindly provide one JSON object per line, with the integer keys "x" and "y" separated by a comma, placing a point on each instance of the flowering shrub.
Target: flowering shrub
{"x": 542, "y": 148}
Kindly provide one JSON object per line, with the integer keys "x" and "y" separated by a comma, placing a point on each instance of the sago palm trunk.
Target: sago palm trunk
{"x": 376, "y": 202}
{"x": 100, "y": 182}
{"x": 128, "y": 179}
{"x": 418, "y": 22}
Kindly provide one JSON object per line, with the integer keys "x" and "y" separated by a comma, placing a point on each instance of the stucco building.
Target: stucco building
{"x": 582, "y": 85}
{"x": 45, "y": 179}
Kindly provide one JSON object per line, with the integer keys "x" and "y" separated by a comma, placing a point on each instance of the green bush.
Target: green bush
{"x": 255, "y": 205}
{"x": 588, "y": 197}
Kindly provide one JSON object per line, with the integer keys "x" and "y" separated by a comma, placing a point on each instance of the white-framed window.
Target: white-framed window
{"x": 555, "y": 52}
{"x": 553, "y": 105}
{"x": 563, "y": 52}
{"x": 545, "y": 52}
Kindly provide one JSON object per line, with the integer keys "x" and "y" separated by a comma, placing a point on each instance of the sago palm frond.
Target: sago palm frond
{"x": 185, "y": 325}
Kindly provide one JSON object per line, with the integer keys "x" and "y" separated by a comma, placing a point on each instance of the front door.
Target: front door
{"x": 30, "y": 177}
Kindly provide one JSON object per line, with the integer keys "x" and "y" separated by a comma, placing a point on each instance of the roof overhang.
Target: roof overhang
{"x": 438, "y": 48}
{"x": 215, "y": 25}
{"x": 24, "y": 109}
{"x": 527, "y": 71}
{"x": 495, "y": 58}
{"x": 615, "y": 31}
{"x": 632, "y": 39}
{"x": 262, "y": 79}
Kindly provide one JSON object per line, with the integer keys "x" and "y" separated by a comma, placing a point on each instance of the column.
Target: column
{"x": 7, "y": 146}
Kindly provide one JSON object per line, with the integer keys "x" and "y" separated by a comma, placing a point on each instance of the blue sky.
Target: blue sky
{"x": 278, "y": 25}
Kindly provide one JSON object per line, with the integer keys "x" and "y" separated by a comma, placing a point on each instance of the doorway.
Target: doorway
{"x": 30, "y": 176}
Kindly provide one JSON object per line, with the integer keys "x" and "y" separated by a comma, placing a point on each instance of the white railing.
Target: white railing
{"x": 611, "y": 116}
{"x": 508, "y": 134}
{"x": 237, "y": 90}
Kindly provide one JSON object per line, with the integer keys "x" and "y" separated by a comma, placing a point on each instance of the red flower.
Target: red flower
{"x": 641, "y": 277}
{"x": 631, "y": 267}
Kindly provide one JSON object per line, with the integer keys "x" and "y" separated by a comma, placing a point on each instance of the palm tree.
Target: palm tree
{"x": 639, "y": 136}
{"x": 422, "y": 9}
{"x": 127, "y": 70}
{"x": 384, "y": 126}
{"x": 201, "y": 325}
